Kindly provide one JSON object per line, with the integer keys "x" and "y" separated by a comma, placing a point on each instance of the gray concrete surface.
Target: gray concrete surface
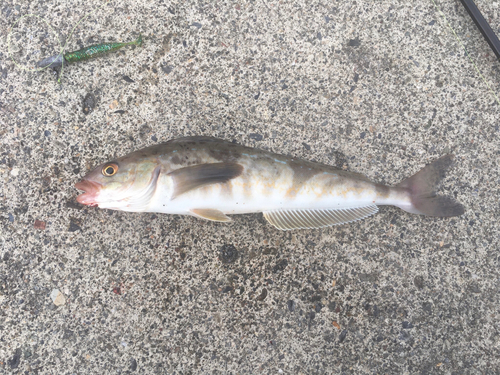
{"x": 381, "y": 88}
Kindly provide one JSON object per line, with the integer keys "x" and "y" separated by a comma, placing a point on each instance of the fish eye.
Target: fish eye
{"x": 109, "y": 169}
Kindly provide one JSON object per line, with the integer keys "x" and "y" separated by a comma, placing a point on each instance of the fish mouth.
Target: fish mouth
{"x": 91, "y": 189}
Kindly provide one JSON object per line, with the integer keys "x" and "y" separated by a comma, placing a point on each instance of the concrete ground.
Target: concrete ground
{"x": 380, "y": 88}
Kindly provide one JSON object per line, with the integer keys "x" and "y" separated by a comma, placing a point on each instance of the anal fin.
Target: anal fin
{"x": 306, "y": 219}
{"x": 210, "y": 214}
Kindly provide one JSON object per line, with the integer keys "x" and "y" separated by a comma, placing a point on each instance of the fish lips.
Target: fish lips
{"x": 91, "y": 189}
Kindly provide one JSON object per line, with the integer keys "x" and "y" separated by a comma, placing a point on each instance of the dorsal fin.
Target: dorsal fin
{"x": 196, "y": 176}
{"x": 306, "y": 219}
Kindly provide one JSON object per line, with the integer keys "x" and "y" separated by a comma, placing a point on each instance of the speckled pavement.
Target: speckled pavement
{"x": 380, "y": 88}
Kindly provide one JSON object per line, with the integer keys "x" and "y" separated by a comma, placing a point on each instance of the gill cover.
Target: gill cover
{"x": 139, "y": 202}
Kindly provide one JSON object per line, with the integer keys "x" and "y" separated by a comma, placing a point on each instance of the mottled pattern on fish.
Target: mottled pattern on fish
{"x": 211, "y": 178}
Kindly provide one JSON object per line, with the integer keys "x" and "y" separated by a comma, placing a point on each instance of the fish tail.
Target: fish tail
{"x": 421, "y": 188}
{"x": 138, "y": 41}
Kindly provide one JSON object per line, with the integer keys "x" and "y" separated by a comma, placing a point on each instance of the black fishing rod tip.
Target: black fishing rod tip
{"x": 483, "y": 26}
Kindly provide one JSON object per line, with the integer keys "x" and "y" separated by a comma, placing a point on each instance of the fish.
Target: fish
{"x": 85, "y": 53}
{"x": 210, "y": 178}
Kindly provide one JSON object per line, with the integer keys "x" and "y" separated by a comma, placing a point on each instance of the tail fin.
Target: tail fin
{"x": 138, "y": 41}
{"x": 422, "y": 187}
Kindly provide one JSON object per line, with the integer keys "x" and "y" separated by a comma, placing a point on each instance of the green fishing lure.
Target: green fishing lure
{"x": 85, "y": 53}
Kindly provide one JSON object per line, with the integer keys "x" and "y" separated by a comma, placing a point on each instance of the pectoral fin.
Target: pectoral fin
{"x": 305, "y": 219}
{"x": 210, "y": 214}
{"x": 190, "y": 178}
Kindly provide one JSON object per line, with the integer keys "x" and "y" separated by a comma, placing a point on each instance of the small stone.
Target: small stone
{"x": 291, "y": 305}
{"x": 407, "y": 325}
{"x": 144, "y": 130}
{"x": 427, "y": 307}
{"x": 354, "y": 42}
{"x": 133, "y": 364}
{"x": 89, "y": 103}
{"x": 474, "y": 288}
{"x": 419, "y": 282}
{"x": 228, "y": 254}
{"x": 73, "y": 205}
{"x": 379, "y": 338}
{"x": 57, "y": 297}
{"x": 14, "y": 172}
{"x": 113, "y": 104}
{"x": 167, "y": 68}
{"x": 256, "y": 137}
{"x": 15, "y": 360}
{"x": 315, "y": 298}
{"x": 39, "y": 224}
{"x": 47, "y": 133}
{"x": 11, "y": 218}
{"x": 74, "y": 225}
{"x": 280, "y": 266}
{"x": 343, "y": 335}
{"x": 263, "y": 295}
{"x": 128, "y": 79}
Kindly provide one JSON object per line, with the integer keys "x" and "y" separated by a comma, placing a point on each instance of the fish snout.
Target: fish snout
{"x": 91, "y": 189}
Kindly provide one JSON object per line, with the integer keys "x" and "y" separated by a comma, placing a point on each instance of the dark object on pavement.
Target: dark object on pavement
{"x": 85, "y": 53}
{"x": 483, "y": 26}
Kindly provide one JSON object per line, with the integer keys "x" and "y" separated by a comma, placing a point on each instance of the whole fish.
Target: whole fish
{"x": 210, "y": 178}
{"x": 85, "y": 53}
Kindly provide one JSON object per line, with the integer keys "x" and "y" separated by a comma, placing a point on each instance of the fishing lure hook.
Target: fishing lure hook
{"x": 62, "y": 48}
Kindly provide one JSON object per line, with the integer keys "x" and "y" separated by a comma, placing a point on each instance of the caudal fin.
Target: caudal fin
{"x": 422, "y": 187}
{"x": 138, "y": 41}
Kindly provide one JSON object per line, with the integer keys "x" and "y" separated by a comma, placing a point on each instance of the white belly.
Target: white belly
{"x": 240, "y": 197}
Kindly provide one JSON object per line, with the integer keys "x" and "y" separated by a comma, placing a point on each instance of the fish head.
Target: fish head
{"x": 124, "y": 184}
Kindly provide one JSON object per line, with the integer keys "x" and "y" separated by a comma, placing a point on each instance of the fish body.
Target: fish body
{"x": 85, "y": 53}
{"x": 211, "y": 178}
